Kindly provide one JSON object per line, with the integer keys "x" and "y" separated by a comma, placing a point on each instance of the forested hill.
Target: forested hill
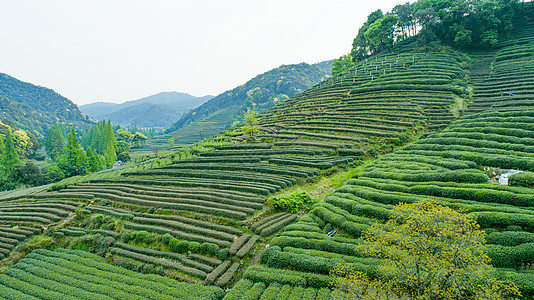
{"x": 159, "y": 110}
{"x": 265, "y": 91}
{"x": 36, "y": 108}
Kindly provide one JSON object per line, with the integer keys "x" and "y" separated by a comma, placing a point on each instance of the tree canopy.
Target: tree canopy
{"x": 462, "y": 23}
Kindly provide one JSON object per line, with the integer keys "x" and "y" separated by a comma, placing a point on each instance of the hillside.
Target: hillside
{"x": 159, "y": 110}
{"x": 414, "y": 123}
{"x": 36, "y": 108}
{"x": 265, "y": 90}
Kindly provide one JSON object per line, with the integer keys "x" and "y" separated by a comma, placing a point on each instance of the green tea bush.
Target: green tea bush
{"x": 524, "y": 179}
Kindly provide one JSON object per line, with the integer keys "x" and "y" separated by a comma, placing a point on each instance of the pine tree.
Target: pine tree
{"x": 55, "y": 142}
{"x": 96, "y": 140}
{"x": 93, "y": 160}
{"x": 81, "y": 162}
{"x": 10, "y": 159}
{"x": 2, "y": 147}
{"x": 110, "y": 137}
{"x": 72, "y": 147}
{"x": 110, "y": 156}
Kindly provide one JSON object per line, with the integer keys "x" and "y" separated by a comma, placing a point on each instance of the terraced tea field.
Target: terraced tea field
{"x": 455, "y": 167}
{"x": 202, "y": 216}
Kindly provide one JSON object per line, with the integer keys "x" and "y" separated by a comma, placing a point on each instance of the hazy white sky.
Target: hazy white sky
{"x": 118, "y": 50}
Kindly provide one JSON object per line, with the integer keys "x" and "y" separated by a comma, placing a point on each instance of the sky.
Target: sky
{"x": 119, "y": 50}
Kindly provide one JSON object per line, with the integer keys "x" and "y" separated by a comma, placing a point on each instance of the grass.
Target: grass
{"x": 326, "y": 184}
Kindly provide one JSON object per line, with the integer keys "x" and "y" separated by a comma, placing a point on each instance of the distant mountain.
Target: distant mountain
{"x": 36, "y": 108}
{"x": 158, "y": 110}
{"x": 265, "y": 91}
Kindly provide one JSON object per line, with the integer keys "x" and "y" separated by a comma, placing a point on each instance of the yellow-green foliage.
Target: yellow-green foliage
{"x": 429, "y": 252}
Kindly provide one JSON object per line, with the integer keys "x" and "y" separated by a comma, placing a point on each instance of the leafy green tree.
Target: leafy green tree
{"x": 361, "y": 49}
{"x": 381, "y": 34}
{"x": 342, "y": 64}
{"x": 123, "y": 135}
{"x": 27, "y": 174}
{"x": 139, "y": 139}
{"x": 407, "y": 22}
{"x": 52, "y": 173}
{"x": 250, "y": 122}
{"x": 123, "y": 146}
{"x": 427, "y": 251}
{"x": 23, "y": 144}
{"x": 170, "y": 141}
{"x": 55, "y": 142}
{"x": 123, "y": 156}
{"x": 10, "y": 159}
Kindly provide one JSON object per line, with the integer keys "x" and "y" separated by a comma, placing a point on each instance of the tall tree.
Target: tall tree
{"x": 10, "y": 159}
{"x": 2, "y": 147}
{"x": 110, "y": 140}
{"x": 93, "y": 160}
{"x": 110, "y": 156}
{"x": 55, "y": 142}
{"x": 360, "y": 46}
{"x": 72, "y": 147}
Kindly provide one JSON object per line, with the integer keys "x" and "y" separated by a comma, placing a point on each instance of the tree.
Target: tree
{"x": 428, "y": 251}
{"x": 123, "y": 135}
{"x": 170, "y": 141}
{"x": 342, "y": 64}
{"x": 123, "y": 156}
{"x": 123, "y": 146}
{"x": 81, "y": 162}
{"x": 360, "y": 46}
{"x": 23, "y": 144}
{"x": 27, "y": 174}
{"x": 72, "y": 147}
{"x": 2, "y": 147}
{"x": 250, "y": 122}
{"x": 110, "y": 156}
{"x": 110, "y": 141}
{"x": 55, "y": 142}
{"x": 94, "y": 161}
{"x": 10, "y": 159}
{"x": 381, "y": 34}
{"x": 139, "y": 139}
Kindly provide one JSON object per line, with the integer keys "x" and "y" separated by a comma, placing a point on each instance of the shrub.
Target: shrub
{"x": 166, "y": 238}
{"x": 293, "y": 202}
{"x": 178, "y": 246}
{"x": 194, "y": 247}
{"x": 209, "y": 248}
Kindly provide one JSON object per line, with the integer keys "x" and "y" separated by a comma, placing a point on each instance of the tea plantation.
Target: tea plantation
{"x": 420, "y": 123}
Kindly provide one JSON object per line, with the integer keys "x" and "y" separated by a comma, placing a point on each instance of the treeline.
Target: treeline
{"x": 71, "y": 153}
{"x": 462, "y": 23}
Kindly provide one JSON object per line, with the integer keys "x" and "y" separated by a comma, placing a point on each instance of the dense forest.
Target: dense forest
{"x": 35, "y": 108}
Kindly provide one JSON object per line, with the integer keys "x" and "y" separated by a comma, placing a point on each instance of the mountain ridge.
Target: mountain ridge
{"x": 133, "y": 112}
{"x": 36, "y": 108}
